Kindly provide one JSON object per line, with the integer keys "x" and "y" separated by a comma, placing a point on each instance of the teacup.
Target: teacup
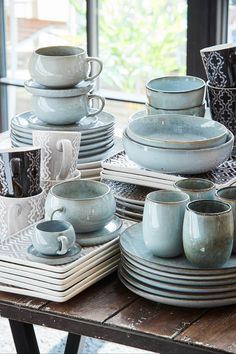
{"x": 18, "y": 213}
{"x": 220, "y": 64}
{"x": 175, "y": 92}
{"x": 163, "y": 222}
{"x": 53, "y": 237}
{"x": 62, "y": 66}
{"x": 20, "y": 172}
{"x": 196, "y": 188}
{"x": 59, "y": 153}
{"x": 66, "y": 110}
{"x": 228, "y": 195}
{"x": 87, "y": 205}
{"x": 208, "y": 232}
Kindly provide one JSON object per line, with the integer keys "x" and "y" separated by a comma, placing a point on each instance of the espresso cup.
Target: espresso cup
{"x": 228, "y": 195}
{"x": 53, "y": 237}
{"x": 18, "y": 213}
{"x": 59, "y": 153}
{"x": 196, "y": 188}
{"x": 220, "y": 64}
{"x": 208, "y": 233}
{"x": 66, "y": 110}
{"x": 20, "y": 172}
{"x": 163, "y": 222}
{"x": 62, "y": 66}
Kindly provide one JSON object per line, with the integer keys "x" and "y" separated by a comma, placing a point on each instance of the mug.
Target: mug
{"x": 53, "y": 237}
{"x": 62, "y": 66}
{"x": 220, "y": 64}
{"x": 228, "y": 195}
{"x": 18, "y": 213}
{"x": 20, "y": 172}
{"x": 196, "y": 188}
{"x": 163, "y": 222}
{"x": 59, "y": 153}
{"x": 208, "y": 233}
{"x": 65, "y": 110}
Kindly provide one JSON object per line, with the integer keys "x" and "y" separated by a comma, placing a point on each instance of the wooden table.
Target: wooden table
{"x": 109, "y": 311}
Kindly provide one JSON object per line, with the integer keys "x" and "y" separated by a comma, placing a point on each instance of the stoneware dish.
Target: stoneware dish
{"x": 208, "y": 232}
{"x": 87, "y": 205}
{"x": 62, "y": 66}
{"x": 177, "y": 131}
{"x": 175, "y": 92}
{"x": 184, "y": 161}
{"x": 228, "y": 195}
{"x": 196, "y": 188}
{"x": 163, "y": 222}
{"x": 198, "y": 111}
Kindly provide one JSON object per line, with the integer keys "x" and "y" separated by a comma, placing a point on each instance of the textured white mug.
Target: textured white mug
{"x": 59, "y": 153}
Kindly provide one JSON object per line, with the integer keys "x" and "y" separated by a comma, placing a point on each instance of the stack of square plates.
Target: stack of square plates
{"x": 20, "y": 275}
{"x": 173, "y": 281}
{"x": 97, "y": 133}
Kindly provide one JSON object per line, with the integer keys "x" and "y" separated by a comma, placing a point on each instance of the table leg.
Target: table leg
{"x": 72, "y": 343}
{"x": 24, "y": 337}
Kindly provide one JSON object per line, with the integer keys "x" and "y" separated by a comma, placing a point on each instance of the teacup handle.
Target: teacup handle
{"x": 101, "y": 99}
{"x": 14, "y": 212}
{"x": 91, "y": 59}
{"x": 16, "y": 168}
{"x": 64, "y": 244}
{"x": 65, "y": 146}
{"x": 55, "y": 211}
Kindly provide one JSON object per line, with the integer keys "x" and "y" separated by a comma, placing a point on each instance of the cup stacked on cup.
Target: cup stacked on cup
{"x": 220, "y": 65}
{"x": 21, "y": 197}
{"x": 176, "y": 95}
{"x": 60, "y": 84}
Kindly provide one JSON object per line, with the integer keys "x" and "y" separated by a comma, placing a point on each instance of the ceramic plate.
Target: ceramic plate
{"x": 128, "y": 211}
{"x": 131, "y": 242}
{"x": 88, "y": 165}
{"x": 92, "y": 172}
{"x": 178, "y": 302}
{"x": 134, "y": 207}
{"x": 86, "y": 153}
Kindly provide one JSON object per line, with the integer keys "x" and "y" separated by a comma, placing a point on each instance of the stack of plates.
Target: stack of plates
{"x": 19, "y": 274}
{"x": 97, "y": 133}
{"x": 130, "y": 199}
{"x": 173, "y": 281}
{"x": 90, "y": 170}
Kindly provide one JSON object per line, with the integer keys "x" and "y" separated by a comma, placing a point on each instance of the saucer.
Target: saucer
{"x": 107, "y": 233}
{"x": 69, "y": 257}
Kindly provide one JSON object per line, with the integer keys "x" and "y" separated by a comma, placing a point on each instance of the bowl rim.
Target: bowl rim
{"x": 205, "y": 189}
{"x": 176, "y": 77}
{"x": 41, "y": 51}
{"x": 211, "y": 201}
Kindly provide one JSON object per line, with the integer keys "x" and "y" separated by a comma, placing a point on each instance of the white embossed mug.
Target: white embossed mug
{"x": 18, "y": 213}
{"x": 62, "y": 66}
{"x": 59, "y": 153}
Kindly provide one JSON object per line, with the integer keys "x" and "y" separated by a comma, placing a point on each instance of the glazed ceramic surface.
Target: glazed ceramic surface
{"x": 178, "y": 160}
{"x": 220, "y": 64}
{"x": 87, "y": 205}
{"x": 62, "y": 66}
{"x": 20, "y": 172}
{"x": 65, "y": 110}
{"x": 228, "y": 195}
{"x": 175, "y": 92}
{"x": 163, "y": 222}
{"x": 177, "y": 131}
{"x": 198, "y": 111}
{"x": 208, "y": 232}
{"x": 196, "y": 188}
{"x": 222, "y": 105}
{"x": 17, "y": 213}
{"x": 59, "y": 153}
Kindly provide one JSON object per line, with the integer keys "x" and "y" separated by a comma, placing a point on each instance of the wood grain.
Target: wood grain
{"x": 20, "y": 300}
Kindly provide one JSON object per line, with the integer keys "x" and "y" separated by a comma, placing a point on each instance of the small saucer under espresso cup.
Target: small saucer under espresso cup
{"x": 69, "y": 257}
{"x": 107, "y": 233}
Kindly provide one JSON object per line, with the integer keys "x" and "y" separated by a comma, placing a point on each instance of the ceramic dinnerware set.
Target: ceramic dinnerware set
{"x": 220, "y": 65}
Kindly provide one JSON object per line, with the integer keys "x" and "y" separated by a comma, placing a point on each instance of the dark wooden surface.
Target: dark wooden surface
{"x": 108, "y": 310}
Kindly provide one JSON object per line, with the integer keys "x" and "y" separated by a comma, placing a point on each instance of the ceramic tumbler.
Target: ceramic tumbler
{"x": 53, "y": 237}
{"x": 163, "y": 222}
{"x": 18, "y": 213}
{"x": 208, "y": 232}
{"x": 59, "y": 153}
{"x": 20, "y": 172}
{"x": 228, "y": 195}
{"x": 196, "y": 188}
{"x": 62, "y": 66}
